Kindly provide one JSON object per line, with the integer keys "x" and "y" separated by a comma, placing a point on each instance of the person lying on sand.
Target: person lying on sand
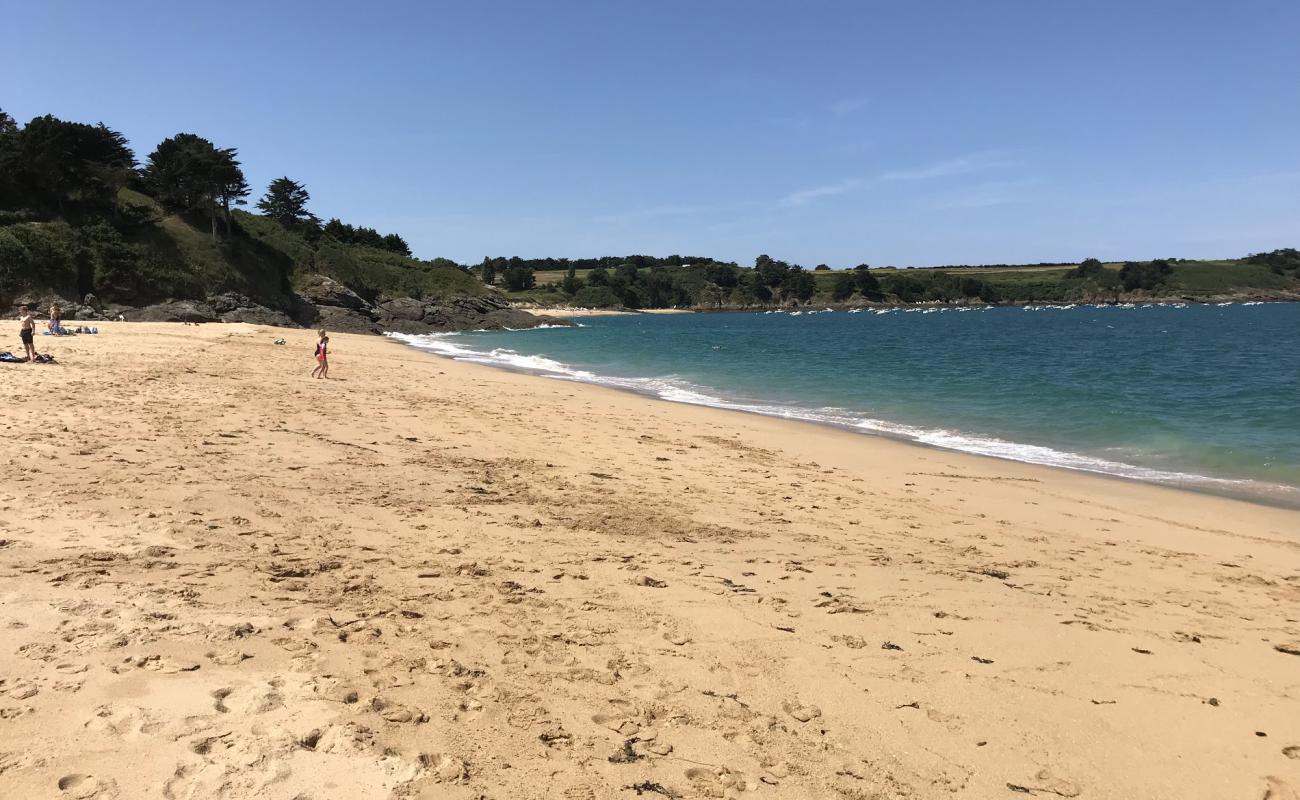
{"x": 26, "y": 330}
{"x": 322, "y": 369}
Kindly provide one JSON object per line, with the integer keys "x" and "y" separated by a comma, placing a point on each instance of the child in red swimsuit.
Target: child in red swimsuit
{"x": 322, "y": 369}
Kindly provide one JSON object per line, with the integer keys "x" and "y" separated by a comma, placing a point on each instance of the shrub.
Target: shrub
{"x": 39, "y": 255}
{"x": 843, "y": 288}
{"x": 1144, "y": 274}
{"x": 1287, "y": 259}
{"x": 1088, "y": 268}
{"x": 596, "y": 297}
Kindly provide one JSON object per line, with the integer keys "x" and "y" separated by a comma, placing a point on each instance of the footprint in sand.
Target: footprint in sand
{"x": 716, "y": 782}
{"x": 85, "y": 786}
{"x": 445, "y": 768}
{"x": 801, "y": 712}
{"x": 617, "y": 723}
{"x": 219, "y": 696}
{"x": 1279, "y": 789}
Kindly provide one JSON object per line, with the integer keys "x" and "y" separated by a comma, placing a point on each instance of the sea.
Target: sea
{"x": 1205, "y": 397}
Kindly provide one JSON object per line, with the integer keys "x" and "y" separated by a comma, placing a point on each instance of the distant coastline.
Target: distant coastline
{"x": 570, "y": 312}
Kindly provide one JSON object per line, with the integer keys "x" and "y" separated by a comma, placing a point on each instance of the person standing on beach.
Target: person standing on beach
{"x": 322, "y": 369}
{"x": 26, "y": 330}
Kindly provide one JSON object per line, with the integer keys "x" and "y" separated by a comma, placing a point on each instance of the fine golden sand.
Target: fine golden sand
{"x": 220, "y": 578}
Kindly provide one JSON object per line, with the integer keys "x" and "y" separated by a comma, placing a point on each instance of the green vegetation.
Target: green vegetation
{"x": 285, "y": 202}
{"x": 709, "y": 284}
{"x": 78, "y": 215}
{"x": 367, "y": 237}
{"x": 1281, "y": 262}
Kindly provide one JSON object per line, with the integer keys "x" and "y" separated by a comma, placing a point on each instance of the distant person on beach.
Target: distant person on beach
{"x": 322, "y": 356}
{"x": 26, "y": 330}
{"x": 55, "y": 325}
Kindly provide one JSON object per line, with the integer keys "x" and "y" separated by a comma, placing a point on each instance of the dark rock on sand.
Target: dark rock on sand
{"x": 322, "y": 302}
{"x": 345, "y": 320}
{"x": 260, "y": 315}
{"x": 228, "y": 302}
{"x": 175, "y": 311}
{"x": 402, "y": 309}
{"x": 322, "y": 291}
{"x": 487, "y": 312}
{"x": 235, "y": 307}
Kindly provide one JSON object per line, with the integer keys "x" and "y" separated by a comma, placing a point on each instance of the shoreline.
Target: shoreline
{"x": 1271, "y": 495}
{"x": 432, "y": 579}
{"x": 565, "y": 312}
{"x": 577, "y": 313}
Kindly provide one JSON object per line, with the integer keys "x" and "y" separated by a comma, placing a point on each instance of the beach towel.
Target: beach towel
{"x": 9, "y": 358}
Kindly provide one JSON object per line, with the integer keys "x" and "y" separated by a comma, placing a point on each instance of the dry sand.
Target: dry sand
{"x": 222, "y": 579}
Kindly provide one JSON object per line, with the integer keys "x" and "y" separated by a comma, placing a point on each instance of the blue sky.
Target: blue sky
{"x": 907, "y": 133}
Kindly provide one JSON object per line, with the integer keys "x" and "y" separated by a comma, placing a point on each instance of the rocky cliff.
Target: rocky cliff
{"x": 320, "y": 302}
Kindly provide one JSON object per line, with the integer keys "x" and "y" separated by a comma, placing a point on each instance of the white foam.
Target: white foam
{"x": 675, "y": 390}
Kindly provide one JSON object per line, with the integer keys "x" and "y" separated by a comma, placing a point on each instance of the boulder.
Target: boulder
{"x": 485, "y": 312}
{"x": 227, "y": 302}
{"x": 401, "y": 308}
{"x": 40, "y": 304}
{"x": 322, "y": 291}
{"x": 345, "y": 320}
{"x": 304, "y": 311}
{"x": 260, "y": 315}
{"x": 405, "y": 326}
{"x": 85, "y": 313}
{"x": 175, "y": 311}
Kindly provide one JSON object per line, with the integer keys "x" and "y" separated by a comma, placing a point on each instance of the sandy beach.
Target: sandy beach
{"x": 422, "y": 578}
{"x": 579, "y": 313}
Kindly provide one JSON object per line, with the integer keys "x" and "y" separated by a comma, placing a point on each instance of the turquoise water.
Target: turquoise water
{"x": 1202, "y": 396}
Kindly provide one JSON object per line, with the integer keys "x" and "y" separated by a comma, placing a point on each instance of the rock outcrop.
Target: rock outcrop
{"x": 324, "y": 291}
{"x": 484, "y": 312}
{"x": 321, "y": 302}
{"x": 175, "y": 311}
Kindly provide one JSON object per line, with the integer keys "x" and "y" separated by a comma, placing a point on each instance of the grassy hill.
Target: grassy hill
{"x": 148, "y": 255}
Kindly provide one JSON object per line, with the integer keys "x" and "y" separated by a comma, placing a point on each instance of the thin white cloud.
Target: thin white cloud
{"x": 848, "y": 105}
{"x": 974, "y": 162}
{"x": 985, "y": 195}
{"x": 804, "y": 196}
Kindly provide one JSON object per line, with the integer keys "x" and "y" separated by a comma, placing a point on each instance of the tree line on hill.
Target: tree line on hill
{"x": 1133, "y": 275}
{"x": 77, "y": 209}
{"x": 1285, "y": 261}
{"x": 63, "y": 220}
{"x": 678, "y": 281}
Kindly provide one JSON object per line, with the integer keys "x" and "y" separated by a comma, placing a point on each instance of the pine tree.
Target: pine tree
{"x": 189, "y": 173}
{"x": 285, "y": 202}
{"x": 396, "y": 244}
{"x": 571, "y": 283}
